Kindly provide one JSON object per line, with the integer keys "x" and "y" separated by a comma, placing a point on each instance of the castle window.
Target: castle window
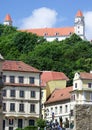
{"x": 45, "y": 34}
{"x": 78, "y": 26}
{"x": 78, "y": 31}
{"x": 56, "y": 33}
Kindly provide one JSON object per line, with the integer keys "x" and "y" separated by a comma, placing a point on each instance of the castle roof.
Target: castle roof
{"x": 7, "y": 18}
{"x": 52, "y": 31}
{"x": 79, "y": 14}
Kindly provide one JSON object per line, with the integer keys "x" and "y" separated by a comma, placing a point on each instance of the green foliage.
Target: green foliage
{"x": 31, "y": 128}
{"x": 41, "y": 123}
{"x": 70, "y": 55}
{"x": 19, "y": 129}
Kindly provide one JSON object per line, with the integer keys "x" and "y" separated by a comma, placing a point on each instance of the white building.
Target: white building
{"x": 21, "y": 95}
{"x": 58, "y": 105}
{"x": 60, "y": 34}
{"x": 82, "y": 90}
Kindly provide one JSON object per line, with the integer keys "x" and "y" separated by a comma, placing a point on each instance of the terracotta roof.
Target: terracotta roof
{"x": 51, "y": 31}
{"x": 85, "y": 75}
{"x": 20, "y": 85}
{"x": 60, "y": 95}
{"x": 8, "y": 18}
{"x": 47, "y": 76}
{"x": 9, "y": 65}
{"x": 79, "y": 14}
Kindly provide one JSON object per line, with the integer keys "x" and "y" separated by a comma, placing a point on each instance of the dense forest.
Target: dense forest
{"x": 68, "y": 56}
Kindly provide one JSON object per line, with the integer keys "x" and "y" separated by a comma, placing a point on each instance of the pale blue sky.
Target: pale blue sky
{"x": 39, "y": 13}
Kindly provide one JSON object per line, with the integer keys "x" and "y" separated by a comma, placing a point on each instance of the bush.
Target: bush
{"x": 31, "y": 128}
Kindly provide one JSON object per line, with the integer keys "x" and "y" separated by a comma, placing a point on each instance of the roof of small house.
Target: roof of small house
{"x": 47, "y": 76}
{"x": 59, "y": 95}
{"x": 20, "y": 66}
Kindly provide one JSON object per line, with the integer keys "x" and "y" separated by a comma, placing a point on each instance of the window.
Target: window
{"x": 31, "y": 122}
{"x": 4, "y": 93}
{"x": 10, "y": 128}
{"x": 31, "y": 80}
{"x": 71, "y": 112}
{"x": 12, "y": 93}
{"x": 11, "y": 121}
{"x": 33, "y": 94}
{"x": 21, "y": 94}
{"x": 72, "y": 97}
{"x": 89, "y": 85}
{"x": 51, "y": 110}
{"x": 66, "y": 108}
{"x": 21, "y": 107}
{"x": 32, "y": 108}
{"x": 21, "y": 79}
{"x": 55, "y": 110}
{"x": 4, "y": 78}
{"x": 12, "y": 79}
{"x": 12, "y": 106}
{"x": 4, "y": 106}
{"x": 91, "y": 96}
{"x": 75, "y": 85}
{"x": 41, "y": 94}
{"x": 60, "y": 109}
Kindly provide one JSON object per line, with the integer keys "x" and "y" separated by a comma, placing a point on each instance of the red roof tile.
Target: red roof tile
{"x": 79, "y": 14}
{"x": 60, "y": 95}
{"x": 85, "y": 75}
{"x": 52, "y": 31}
{"x": 47, "y": 76}
{"x": 9, "y": 65}
{"x": 8, "y": 18}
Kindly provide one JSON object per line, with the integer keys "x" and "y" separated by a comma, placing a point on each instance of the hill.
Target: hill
{"x": 70, "y": 55}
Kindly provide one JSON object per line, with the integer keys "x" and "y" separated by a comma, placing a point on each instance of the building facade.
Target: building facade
{"x": 21, "y": 95}
{"x": 49, "y": 81}
{"x": 58, "y": 106}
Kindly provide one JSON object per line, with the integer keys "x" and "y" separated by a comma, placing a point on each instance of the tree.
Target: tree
{"x": 41, "y": 123}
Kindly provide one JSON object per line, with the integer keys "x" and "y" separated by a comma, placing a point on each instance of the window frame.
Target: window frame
{"x": 31, "y": 80}
{"x": 12, "y": 93}
{"x": 12, "y": 107}
{"x": 12, "y": 79}
{"x": 21, "y": 79}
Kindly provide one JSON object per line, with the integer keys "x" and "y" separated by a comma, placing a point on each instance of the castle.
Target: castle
{"x": 59, "y": 34}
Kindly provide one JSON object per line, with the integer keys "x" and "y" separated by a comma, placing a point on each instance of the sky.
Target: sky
{"x": 27, "y": 14}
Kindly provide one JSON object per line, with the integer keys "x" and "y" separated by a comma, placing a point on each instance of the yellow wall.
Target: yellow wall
{"x": 85, "y": 83}
{"x": 55, "y": 84}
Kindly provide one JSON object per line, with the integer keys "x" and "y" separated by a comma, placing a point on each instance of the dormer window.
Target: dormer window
{"x": 75, "y": 85}
{"x": 56, "y": 33}
{"x": 45, "y": 34}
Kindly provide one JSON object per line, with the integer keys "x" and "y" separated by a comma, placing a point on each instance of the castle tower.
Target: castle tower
{"x": 79, "y": 25}
{"x": 8, "y": 20}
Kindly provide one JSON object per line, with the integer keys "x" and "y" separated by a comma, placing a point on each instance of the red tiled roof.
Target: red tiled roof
{"x": 85, "y": 75}
{"x": 79, "y": 14}
{"x": 51, "y": 31}
{"x": 47, "y": 76}
{"x": 8, "y": 18}
{"x": 9, "y": 65}
{"x": 59, "y": 95}
{"x": 20, "y": 85}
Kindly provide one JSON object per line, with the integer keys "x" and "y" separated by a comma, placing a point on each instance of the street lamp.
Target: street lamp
{"x": 1, "y": 86}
